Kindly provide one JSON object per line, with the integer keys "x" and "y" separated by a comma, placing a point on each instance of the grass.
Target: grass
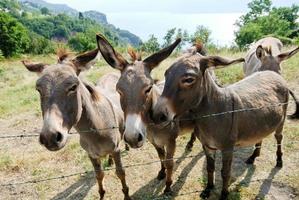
{"x": 25, "y": 159}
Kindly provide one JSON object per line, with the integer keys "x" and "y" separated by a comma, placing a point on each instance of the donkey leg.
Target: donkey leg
{"x": 278, "y": 136}
{"x": 191, "y": 142}
{"x": 255, "y": 154}
{"x": 161, "y": 154}
{"x": 227, "y": 157}
{"x": 110, "y": 160}
{"x": 99, "y": 175}
{"x": 169, "y": 163}
{"x": 210, "y": 155}
{"x": 120, "y": 172}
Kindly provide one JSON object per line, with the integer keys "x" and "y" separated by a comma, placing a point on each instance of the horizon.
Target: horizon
{"x": 175, "y": 14}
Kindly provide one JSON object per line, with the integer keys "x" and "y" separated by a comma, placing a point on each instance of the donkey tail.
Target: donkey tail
{"x": 296, "y": 114}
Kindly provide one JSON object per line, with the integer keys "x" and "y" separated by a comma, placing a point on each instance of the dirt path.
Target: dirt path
{"x": 24, "y": 159}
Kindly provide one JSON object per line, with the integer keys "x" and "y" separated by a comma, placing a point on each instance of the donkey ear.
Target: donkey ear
{"x": 34, "y": 67}
{"x": 113, "y": 58}
{"x": 155, "y": 59}
{"x": 216, "y": 61}
{"x": 287, "y": 55}
{"x": 85, "y": 60}
{"x": 260, "y": 52}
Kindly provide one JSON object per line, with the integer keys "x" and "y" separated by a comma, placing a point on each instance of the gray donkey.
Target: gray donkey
{"x": 138, "y": 95}
{"x": 266, "y": 54}
{"x": 189, "y": 87}
{"x": 67, "y": 101}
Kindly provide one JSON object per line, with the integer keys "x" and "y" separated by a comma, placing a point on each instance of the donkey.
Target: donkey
{"x": 189, "y": 87}
{"x": 266, "y": 54}
{"x": 95, "y": 112}
{"x": 138, "y": 94}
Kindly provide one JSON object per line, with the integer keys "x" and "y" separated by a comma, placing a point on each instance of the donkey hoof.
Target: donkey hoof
{"x": 206, "y": 193}
{"x": 189, "y": 147}
{"x": 102, "y": 194}
{"x": 224, "y": 195}
{"x": 249, "y": 161}
{"x": 279, "y": 164}
{"x": 168, "y": 192}
{"x": 127, "y": 198}
{"x": 161, "y": 175}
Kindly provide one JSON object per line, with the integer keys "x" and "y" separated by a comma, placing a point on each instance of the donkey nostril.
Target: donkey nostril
{"x": 58, "y": 137}
{"x": 42, "y": 140}
{"x": 140, "y": 137}
{"x": 162, "y": 118}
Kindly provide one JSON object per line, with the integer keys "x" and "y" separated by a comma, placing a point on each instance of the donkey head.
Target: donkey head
{"x": 135, "y": 87}
{"x": 270, "y": 62}
{"x": 59, "y": 88}
{"x": 186, "y": 85}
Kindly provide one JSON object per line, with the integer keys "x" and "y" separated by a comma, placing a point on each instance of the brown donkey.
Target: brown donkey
{"x": 189, "y": 87}
{"x": 67, "y": 101}
{"x": 266, "y": 54}
{"x": 138, "y": 95}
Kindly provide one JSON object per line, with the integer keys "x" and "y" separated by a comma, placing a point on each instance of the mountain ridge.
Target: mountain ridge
{"x": 97, "y": 16}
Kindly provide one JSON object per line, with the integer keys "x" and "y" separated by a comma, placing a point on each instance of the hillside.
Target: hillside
{"x": 124, "y": 35}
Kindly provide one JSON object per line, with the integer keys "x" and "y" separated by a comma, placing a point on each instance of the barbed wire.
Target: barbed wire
{"x": 233, "y": 111}
{"x": 181, "y": 119}
{"x": 86, "y": 172}
{"x": 72, "y": 133}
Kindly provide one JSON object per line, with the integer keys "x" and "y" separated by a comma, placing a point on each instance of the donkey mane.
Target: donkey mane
{"x": 95, "y": 96}
{"x": 268, "y": 50}
{"x": 63, "y": 53}
{"x": 133, "y": 54}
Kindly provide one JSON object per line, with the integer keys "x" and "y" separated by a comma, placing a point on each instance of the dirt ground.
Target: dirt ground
{"x": 27, "y": 160}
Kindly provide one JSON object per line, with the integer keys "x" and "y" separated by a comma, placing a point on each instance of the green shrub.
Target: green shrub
{"x": 13, "y": 36}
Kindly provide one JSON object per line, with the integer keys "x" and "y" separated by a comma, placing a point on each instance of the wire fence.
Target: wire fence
{"x": 181, "y": 119}
{"x": 34, "y": 181}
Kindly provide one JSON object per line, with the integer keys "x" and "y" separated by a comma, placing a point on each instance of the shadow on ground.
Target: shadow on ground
{"x": 155, "y": 187}
{"x": 79, "y": 190}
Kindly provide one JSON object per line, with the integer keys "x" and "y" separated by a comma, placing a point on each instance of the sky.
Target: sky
{"x": 143, "y": 17}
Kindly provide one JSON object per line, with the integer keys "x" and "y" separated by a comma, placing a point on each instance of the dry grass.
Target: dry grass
{"x": 24, "y": 159}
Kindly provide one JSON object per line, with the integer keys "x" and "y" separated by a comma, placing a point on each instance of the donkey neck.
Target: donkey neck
{"x": 212, "y": 95}
{"x": 97, "y": 113}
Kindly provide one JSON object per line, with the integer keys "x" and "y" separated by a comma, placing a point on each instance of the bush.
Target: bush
{"x": 263, "y": 20}
{"x": 40, "y": 45}
{"x": 13, "y": 36}
{"x": 82, "y": 42}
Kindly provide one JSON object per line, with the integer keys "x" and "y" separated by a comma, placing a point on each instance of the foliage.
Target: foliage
{"x": 82, "y": 42}
{"x": 169, "y": 37}
{"x": 263, "y": 20}
{"x": 201, "y": 33}
{"x": 40, "y": 45}
{"x": 151, "y": 45}
{"x": 45, "y": 11}
{"x": 13, "y": 36}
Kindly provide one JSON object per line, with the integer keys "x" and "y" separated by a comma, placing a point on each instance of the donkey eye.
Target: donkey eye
{"x": 188, "y": 80}
{"x": 148, "y": 90}
{"x": 73, "y": 88}
{"x": 38, "y": 89}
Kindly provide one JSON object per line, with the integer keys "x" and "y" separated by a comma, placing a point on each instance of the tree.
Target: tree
{"x": 264, "y": 20}
{"x": 13, "y": 36}
{"x": 201, "y": 33}
{"x": 179, "y": 34}
{"x": 81, "y": 17}
{"x": 151, "y": 45}
{"x": 169, "y": 37}
{"x": 45, "y": 11}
